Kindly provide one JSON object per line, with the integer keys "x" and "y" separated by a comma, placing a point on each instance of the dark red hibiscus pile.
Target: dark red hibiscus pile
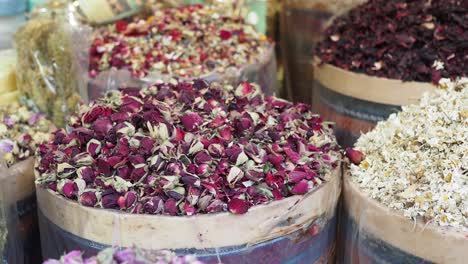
{"x": 188, "y": 148}
{"x": 401, "y": 40}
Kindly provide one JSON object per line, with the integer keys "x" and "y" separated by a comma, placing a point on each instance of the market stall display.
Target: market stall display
{"x": 125, "y": 256}
{"x": 20, "y": 132}
{"x": 192, "y": 41}
{"x": 407, "y": 189}
{"x": 194, "y": 165}
{"x": 384, "y": 54}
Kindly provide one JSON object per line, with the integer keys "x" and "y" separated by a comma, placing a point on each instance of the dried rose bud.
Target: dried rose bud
{"x": 189, "y": 148}
{"x": 88, "y": 199}
{"x": 238, "y": 206}
{"x": 355, "y": 156}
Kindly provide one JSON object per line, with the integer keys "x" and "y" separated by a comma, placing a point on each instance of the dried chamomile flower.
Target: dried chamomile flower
{"x": 21, "y": 130}
{"x": 417, "y": 160}
{"x": 183, "y": 148}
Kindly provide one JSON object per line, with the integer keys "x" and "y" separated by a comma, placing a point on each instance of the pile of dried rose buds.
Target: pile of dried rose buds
{"x": 192, "y": 40}
{"x": 417, "y": 161}
{"x": 20, "y": 132}
{"x": 183, "y": 148}
{"x": 406, "y": 40}
{"x": 127, "y": 256}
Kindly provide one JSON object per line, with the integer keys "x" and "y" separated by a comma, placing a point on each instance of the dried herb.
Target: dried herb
{"x": 407, "y": 40}
{"x": 48, "y": 67}
{"x": 21, "y": 131}
{"x": 183, "y": 148}
{"x": 417, "y": 161}
{"x": 127, "y": 256}
{"x": 193, "y": 40}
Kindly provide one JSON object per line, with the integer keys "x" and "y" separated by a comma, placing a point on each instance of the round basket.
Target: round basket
{"x": 378, "y": 234}
{"x": 356, "y": 102}
{"x": 262, "y": 73}
{"x": 23, "y": 242}
{"x": 298, "y": 229}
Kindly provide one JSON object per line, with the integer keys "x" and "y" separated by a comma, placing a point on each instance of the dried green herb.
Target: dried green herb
{"x": 48, "y": 68}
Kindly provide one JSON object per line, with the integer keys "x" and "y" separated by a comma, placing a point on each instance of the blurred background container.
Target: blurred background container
{"x": 302, "y": 25}
{"x": 11, "y": 18}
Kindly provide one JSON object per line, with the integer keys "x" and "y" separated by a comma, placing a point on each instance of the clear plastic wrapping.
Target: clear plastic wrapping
{"x": 298, "y": 229}
{"x": 19, "y": 227}
{"x": 52, "y": 64}
{"x": 377, "y": 234}
{"x": 356, "y": 102}
{"x": 302, "y": 25}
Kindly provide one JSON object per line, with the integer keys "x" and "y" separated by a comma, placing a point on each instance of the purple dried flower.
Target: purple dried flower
{"x": 301, "y": 187}
{"x": 355, "y": 156}
{"x": 88, "y": 199}
{"x": 6, "y": 145}
{"x": 191, "y": 121}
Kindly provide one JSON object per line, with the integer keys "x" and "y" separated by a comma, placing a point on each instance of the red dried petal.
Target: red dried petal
{"x": 224, "y": 34}
{"x": 238, "y": 206}
{"x": 301, "y": 187}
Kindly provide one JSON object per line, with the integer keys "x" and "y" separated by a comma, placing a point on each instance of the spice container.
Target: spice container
{"x": 185, "y": 42}
{"x": 115, "y": 256}
{"x": 302, "y": 26}
{"x": 369, "y": 66}
{"x": 188, "y": 166}
{"x": 406, "y": 192}
{"x": 20, "y": 132}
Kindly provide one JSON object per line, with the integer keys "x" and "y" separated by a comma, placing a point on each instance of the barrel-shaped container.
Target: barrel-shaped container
{"x": 22, "y": 239}
{"x": 297, "y": 229}
{"x": 262, "y": 73}
{"x": 356, "y": 102}
{"x": 303, "y": 23}
{"x": 378, "y": 234}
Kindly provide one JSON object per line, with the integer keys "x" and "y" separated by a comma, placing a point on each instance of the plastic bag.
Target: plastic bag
{"x": 302, "y": 25}
{"x": 51, "y": 64}
{"x": 298, "y": 229}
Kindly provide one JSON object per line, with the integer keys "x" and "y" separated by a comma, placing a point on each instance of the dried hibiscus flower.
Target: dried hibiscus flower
{"x": 406, "y": 40}
{"x": 193, "y": 40}
{"x": 184, "y": 148}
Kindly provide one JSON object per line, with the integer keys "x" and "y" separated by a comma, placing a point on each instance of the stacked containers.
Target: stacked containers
{"x": 384, "y": 54}
{"x": 302, "y": 25}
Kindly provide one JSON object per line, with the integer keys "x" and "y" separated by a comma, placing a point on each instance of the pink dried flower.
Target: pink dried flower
{"x": 301, "y": 187}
